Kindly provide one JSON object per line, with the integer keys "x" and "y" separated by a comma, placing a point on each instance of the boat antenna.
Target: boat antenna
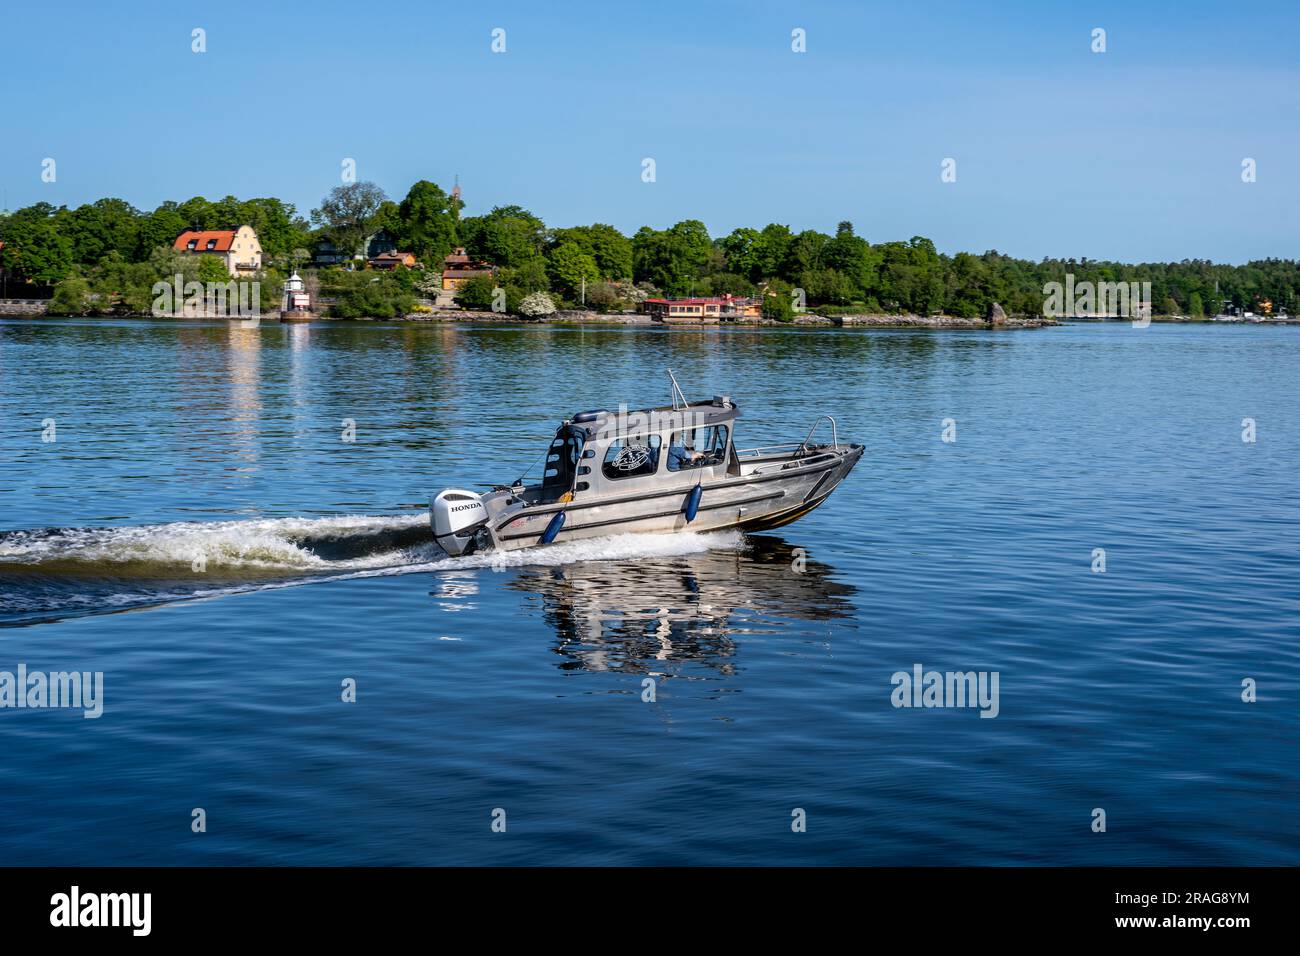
{"x": 677, "y": 393}
{"x": 520, "y": 479}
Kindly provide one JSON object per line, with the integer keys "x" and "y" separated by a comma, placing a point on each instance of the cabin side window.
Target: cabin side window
{"x": 697, "y": 447}
{"x": 562, "y": 462}
{"x": 631, "y": 457}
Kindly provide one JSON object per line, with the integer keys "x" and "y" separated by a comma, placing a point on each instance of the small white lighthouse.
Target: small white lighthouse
{"x": 296, "y": 303}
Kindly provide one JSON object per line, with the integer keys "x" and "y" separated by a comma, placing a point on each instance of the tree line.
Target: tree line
{"x": 109, "y": 251}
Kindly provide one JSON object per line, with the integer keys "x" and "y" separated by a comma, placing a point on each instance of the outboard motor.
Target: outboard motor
{"x": 459, "y": 520}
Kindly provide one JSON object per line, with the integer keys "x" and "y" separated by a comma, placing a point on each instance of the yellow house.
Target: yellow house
{"x": 239, "y": 249}
{"x": 458, "y": 268}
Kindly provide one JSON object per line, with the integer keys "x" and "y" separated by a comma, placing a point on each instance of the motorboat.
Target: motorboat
{"x": 656, "y": 470}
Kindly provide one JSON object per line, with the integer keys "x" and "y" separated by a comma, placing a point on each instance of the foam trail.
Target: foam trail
{"x": 271, "y": 544}
{"x": 615, "y": 548}
{"x": 47, "y": 574}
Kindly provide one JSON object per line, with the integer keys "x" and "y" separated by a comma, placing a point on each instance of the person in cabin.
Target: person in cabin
{"x": 679, "y": 456}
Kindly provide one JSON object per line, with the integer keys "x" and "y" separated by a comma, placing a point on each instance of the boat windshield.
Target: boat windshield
{"x": 562, "y": 462}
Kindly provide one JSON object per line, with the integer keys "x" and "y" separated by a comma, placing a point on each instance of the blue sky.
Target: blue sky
{"x": 1133, "y": 154}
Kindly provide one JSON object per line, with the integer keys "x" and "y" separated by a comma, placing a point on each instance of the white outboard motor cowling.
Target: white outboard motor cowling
{"x": 456, "y": 515}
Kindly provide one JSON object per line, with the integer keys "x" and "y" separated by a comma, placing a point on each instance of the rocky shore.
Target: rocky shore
{"x": 939, "y": 322}
{"x": 998, "y": 320}
{"x": 556, "y": 318}
{"x": 573, "y": 316}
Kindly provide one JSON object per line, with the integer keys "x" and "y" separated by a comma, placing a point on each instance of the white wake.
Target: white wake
{"x": 270, "y": 544}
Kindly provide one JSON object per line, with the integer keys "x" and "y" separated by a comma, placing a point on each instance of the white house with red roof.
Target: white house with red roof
{"x": 708, "y": 309}
{"x": 238, "y": 248}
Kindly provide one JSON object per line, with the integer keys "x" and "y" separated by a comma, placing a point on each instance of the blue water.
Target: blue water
{"x": 520, "y": 687}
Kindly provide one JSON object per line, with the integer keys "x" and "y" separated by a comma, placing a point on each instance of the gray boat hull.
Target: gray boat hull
{"x": 768, "y": 489}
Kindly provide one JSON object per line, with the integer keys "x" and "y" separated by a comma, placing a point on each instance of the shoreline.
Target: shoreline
{"x": 579, "y": 317}
{"x": 639, "y": 319}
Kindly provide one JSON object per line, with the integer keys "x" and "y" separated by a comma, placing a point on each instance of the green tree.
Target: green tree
{"x": 603, "y": 297}
{"x": 729, "y": 283}
{"x": 530, "y": 276}
{"x": 912, "y": 277}
{"x": 612, "y": 251}
{"x": 368, "y": 293}
{"x": 165, "y": 263}
{"x": 740, "y": 250}
{"x": 476, "y": 294}
{"x": 426, "y": 223}
{"x": 279, "y": 227}
{"x": 212, "y": 269}
{"x": 198, "y": 213}
{"x": 827, "y": 286}
{"x": 227, "y": 213}
{"x": 33, "y": 248}
{"x": 672, "y": 259}
{"x": 508, "y": 236}
{"x": 778, "y": 303}
{"x": 805, "y": 253}
{"x": 158, "y": 228}
{"x": 851, "y": 256}
{"x": 772, "y": 249}
{"x": 607, "y": 247}
{"x": 101, "y": 227}
{"x": 349, "y": 213}
{"x": 968, "y": 293}
{"x": 389, "y": 219}
{"x": 71, "y": 297}
{"x": 569, "y": 267}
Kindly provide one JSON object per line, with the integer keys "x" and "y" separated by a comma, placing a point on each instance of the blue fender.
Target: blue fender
{"x": 553, "y": 528}
{"x": 693, "y": 503}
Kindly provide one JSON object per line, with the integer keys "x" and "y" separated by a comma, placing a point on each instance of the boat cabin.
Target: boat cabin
{"x": 602, "y": 453}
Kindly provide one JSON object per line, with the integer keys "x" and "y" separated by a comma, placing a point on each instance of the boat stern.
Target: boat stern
{"x": 459, "y": 519}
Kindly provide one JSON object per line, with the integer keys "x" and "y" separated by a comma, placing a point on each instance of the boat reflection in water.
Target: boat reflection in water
{"x": 652, "y": 615}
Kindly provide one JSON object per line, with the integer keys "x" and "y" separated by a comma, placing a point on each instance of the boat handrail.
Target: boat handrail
{"x": 835, "y": 438}
{"x": 764, "y": 450}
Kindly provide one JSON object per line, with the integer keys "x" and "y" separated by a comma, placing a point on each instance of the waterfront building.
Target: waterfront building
{"x": 393, "y": 259}
{"x": 326, "y": 253}
{"x": 706, "y": 309}
{"x": 239, "y": 249}
{"x": 458, "y": 268}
